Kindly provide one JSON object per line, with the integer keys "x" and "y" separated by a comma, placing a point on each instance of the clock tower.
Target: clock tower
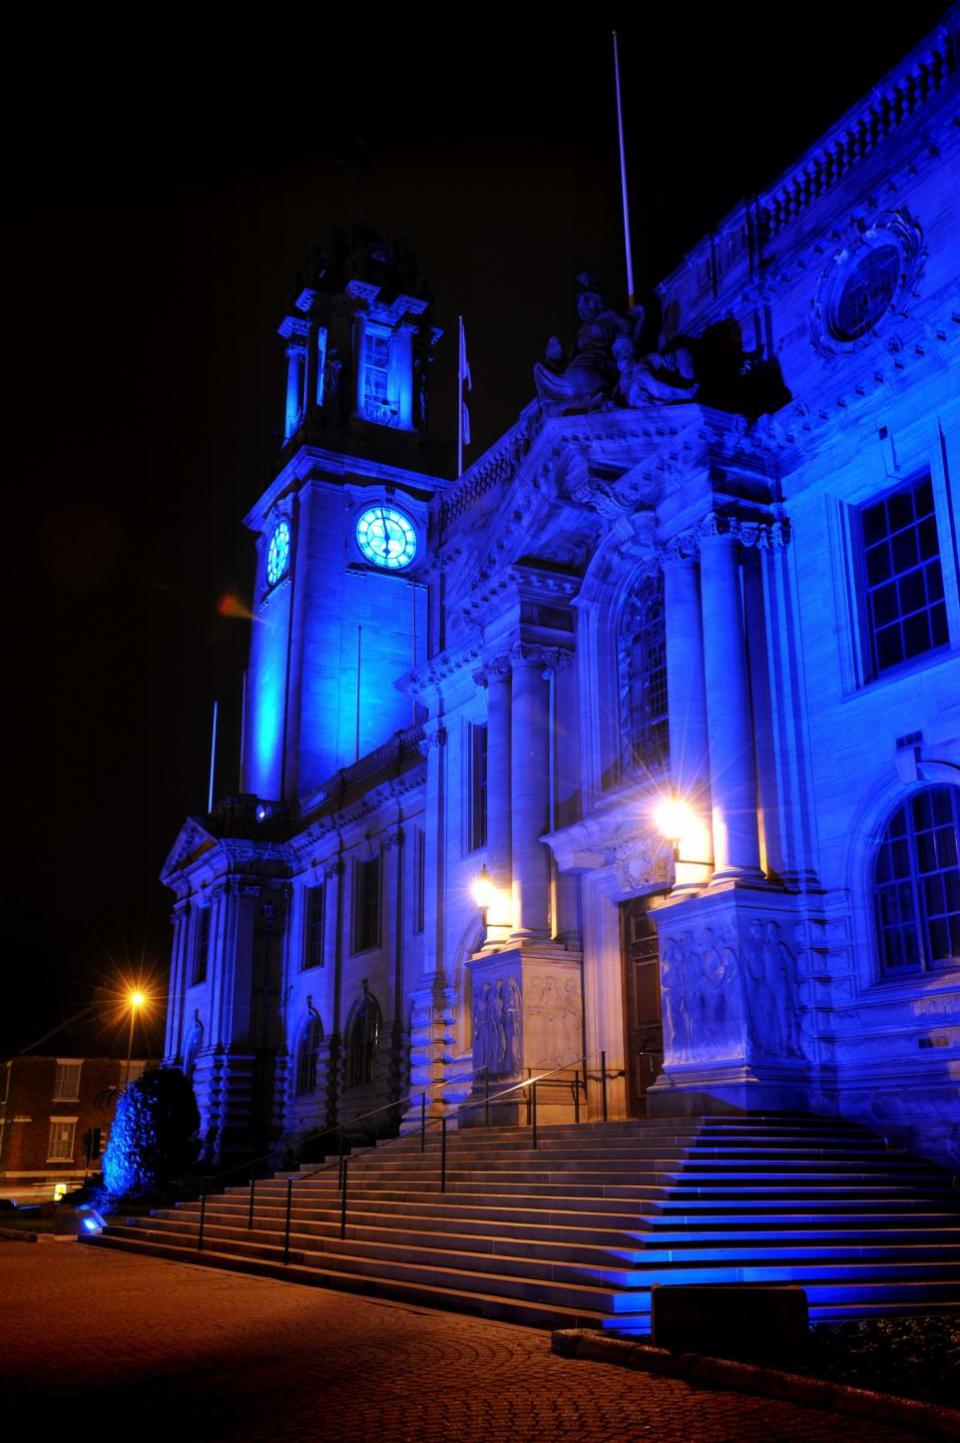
{"x": 340, "y": 601}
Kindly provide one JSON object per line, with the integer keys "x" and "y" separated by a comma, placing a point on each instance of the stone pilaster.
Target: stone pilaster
{"x": 736, "y": 845}
{"x": 530, "y": 788}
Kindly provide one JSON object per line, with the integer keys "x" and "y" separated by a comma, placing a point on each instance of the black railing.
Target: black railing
{"x": 526, "y": 1092}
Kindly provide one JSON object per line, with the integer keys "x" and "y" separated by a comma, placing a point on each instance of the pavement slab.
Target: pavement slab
{"x": 94, "y": 1340}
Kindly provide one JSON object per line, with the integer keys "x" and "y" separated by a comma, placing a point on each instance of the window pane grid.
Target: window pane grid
{"x": 366, "y": 907}
{"x": 917, "y": 884}
{"x": 62, "y": 1135}
{"x": 478, "y": 787}
{"x": 67, "y": 1086}
{"x": 906, "y": 613}
{"x": 313, "y": 941}
{"x": 202, "y": 948}
{"x": 644, "y": 679}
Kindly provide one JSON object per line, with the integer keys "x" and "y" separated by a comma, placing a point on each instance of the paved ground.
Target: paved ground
{"x": 100, "y": 1342}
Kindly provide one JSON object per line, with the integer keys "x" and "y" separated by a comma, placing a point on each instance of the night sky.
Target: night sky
{"x": 160, "y": 212}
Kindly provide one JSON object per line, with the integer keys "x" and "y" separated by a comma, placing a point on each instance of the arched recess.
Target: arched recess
{"x": 194, "y": 1044}
{"x": 307, "y": 1054}
{"x": 364, "y": 1030}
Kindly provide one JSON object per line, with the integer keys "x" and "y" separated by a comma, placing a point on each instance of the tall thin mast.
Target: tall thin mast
{"x": 631, "y": 296}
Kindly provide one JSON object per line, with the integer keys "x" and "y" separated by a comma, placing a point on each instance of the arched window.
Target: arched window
{"x": 308, "y": 1048}
{"x": 644, "y": 723}
{"x": 363, "y": 1042}
{"x": 916, "y": 884}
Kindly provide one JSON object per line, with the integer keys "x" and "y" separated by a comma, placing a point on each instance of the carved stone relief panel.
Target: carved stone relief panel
{"x": 732, "y": 990}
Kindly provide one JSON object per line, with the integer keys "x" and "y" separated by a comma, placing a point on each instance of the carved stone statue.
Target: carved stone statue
{"x": 608, "y": 365}
{"x": 664, "y": 378}
{"x": 589, "y": 375}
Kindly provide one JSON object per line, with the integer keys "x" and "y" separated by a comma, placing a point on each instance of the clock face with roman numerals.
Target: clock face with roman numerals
{"x": 387, "y": 537}
{"x": 278, "y": 553}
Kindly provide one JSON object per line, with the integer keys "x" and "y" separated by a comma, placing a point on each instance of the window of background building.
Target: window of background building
{"x": 63, "y": 1132}
{"x": 904, "y": 609}
{"x": 477, "y": 787}
{"x": 67, "y": 1085}
{"x": 202, "y": 949}
{"x": 917, "y": 884}
{"x": 312, "y": 955}
{"x": 366, "y": 905}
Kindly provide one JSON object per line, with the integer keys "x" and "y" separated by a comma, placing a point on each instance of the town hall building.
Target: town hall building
{"x": 631, "y": 758}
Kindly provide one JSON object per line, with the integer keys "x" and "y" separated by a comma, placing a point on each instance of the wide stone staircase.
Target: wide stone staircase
{"x": 578, "y": 1230}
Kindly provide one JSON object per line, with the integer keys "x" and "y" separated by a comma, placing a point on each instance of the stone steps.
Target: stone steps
{"x": 583, "y": 1226}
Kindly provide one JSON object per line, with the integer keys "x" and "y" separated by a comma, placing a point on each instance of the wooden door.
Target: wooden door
{"x": 641, "y": 1000}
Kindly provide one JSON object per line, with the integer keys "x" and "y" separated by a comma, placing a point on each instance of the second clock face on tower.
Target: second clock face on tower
{"x": 278, "y": 553}
{"x": 386, "y": 537}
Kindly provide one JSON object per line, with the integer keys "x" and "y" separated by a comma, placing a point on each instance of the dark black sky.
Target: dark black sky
{"x": 162, "y": 193}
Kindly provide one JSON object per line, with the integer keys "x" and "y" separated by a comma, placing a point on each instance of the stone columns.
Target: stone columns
{"x": 530, "y": 792}
{"x": 686, "y": 687}
{"x": 730, "y": 723}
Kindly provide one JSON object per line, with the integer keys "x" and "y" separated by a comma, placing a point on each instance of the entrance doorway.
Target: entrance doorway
{"x": 641, "y": 1001}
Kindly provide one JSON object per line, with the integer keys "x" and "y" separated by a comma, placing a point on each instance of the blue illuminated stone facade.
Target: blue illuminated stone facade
{"x": 736, "y": 589}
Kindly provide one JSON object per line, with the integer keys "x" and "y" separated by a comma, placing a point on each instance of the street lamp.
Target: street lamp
{"x": 135, "y": 1000}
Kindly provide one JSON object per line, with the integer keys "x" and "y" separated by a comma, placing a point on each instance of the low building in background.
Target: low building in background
{"x": 55, "y": 1119}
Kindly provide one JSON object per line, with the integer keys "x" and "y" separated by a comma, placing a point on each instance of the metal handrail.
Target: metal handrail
{"x": 336, "y": 1127}
{"x": 527, "y": 1085}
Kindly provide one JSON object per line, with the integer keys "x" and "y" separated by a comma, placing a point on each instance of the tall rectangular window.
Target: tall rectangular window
{"x": 477, "y": 787}
{"x": 67, "y": 1085}
{"x": 63, "y": 1133}
{"x": 376, "y": 369}
{"x": 312, "y": 955}
{"x": 202, "y": 949}
{"x": 419, "y": 879}
{"x": 904, "y": 610}
{"x": 366, "y": 905}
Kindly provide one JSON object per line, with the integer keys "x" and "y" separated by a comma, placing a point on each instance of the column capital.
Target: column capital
{"x": 550, "y": 658}
{"x": 496, "y": 669}
{"x": 766, "y": 533}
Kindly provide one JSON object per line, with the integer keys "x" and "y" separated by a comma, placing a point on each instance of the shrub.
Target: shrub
{"x": 154, "y": 1135}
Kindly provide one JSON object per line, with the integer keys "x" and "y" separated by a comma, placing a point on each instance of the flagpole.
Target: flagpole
{"x": 631, "y": 297}
{"x": 460, "y": 397}
{"x": 213, "y": 756}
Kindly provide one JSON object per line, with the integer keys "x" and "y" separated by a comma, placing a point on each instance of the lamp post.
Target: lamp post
{"x": 136, "y": 1000}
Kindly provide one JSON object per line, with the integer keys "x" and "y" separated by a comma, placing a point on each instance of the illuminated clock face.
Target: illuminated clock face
{"x": 278, "y": 553}
{"x": 386, "y": 537}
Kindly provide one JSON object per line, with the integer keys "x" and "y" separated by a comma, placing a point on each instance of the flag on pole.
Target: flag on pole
{"x": 466, "y": 384}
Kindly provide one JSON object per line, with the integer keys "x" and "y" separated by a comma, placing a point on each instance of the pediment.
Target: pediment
{"x": 193, "y": 840}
